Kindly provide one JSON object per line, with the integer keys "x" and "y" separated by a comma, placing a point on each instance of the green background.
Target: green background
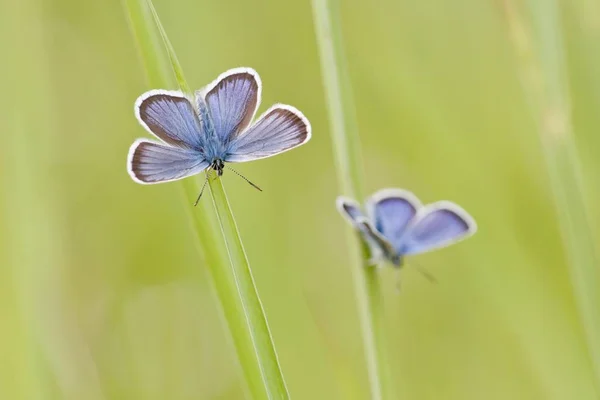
{"x": 102, "y": 292}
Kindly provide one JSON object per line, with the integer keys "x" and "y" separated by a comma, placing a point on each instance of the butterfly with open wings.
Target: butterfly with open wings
{"x": 210, "y": 129}
{"x": 397, "y": 224}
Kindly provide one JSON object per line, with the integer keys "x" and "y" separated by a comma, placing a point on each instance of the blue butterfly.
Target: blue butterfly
{"x": 211, "y": 129}
{"x": 397, "y": 224}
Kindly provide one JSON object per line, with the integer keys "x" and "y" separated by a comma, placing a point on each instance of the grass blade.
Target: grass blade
{"x": 257, "y": 349}
{"x": 540, "y": 51}
{"x": 348, "y": 158}
{"x": 174, "y": 62}
{"x": 226, "y": 259}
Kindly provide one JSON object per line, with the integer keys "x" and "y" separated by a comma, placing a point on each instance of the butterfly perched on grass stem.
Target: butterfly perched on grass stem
{"x": 396, "y": 224}
{"x": 210, "y": 129}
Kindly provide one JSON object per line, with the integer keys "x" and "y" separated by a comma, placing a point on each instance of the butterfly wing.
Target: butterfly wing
{"x": 232, "y": 100}
{"x": 170, "y": 116}
{"x": 437, "y": 225}
{"x": 378, "y": 245}
{"x": 391, "y": 211}
{"x": 279, "y": 129}
{"x": 150, "y": 162}
{"x": 349, "y": 209}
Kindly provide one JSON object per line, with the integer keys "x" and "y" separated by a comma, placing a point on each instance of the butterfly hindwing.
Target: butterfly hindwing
{"x": 151, "y": 162}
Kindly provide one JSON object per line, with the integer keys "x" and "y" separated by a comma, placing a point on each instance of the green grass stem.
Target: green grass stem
{"x": 349, "y": 165}
{"x": 226, "y": 259}
{"x": 538, "y": 42}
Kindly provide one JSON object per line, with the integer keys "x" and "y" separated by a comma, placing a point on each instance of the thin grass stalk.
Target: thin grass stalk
{"x": 542, "y": 65}
{"x": 226, "y": 259}
{"x": 349, "y": 166}
{"x": 29, "y": 230}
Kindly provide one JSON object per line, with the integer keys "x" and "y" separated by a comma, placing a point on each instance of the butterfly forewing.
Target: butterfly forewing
{"x": 171, "y": 117}
{"x": 437, "y": 225}
{"x": 232, "y": 100}
{"x": 391, "y": 210}
{"x": 151, "y": 162}
{"x": 281, "y": 128}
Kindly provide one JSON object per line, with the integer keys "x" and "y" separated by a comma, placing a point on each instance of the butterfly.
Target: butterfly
{"x": 211, "y": 128}
{"x": 397, "y": 224}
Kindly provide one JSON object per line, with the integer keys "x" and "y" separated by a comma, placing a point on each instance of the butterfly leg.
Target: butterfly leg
{"x": 203, "y": 187}
{"x": 398, "y": 281}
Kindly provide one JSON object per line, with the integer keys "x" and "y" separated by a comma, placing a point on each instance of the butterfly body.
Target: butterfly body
{"x": 397, "y": 260}
{"x": 397, "y": 224}
{"x": 210, "y": 129}
{"x": 213, "y": 148}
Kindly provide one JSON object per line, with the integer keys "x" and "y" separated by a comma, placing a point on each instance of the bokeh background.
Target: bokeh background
{"x": 103, "y": 294}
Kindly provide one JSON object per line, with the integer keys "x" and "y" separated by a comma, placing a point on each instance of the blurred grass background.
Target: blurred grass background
{"x": 102, "y": 294}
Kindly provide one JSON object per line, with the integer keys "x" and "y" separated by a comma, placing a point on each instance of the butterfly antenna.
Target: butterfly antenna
{"x": 424, "y": 272}
{"x": 202, "y": 190}
{"x": 244, "y": 178}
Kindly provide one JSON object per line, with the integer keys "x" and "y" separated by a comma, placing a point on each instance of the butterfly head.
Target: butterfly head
{"x": 397, "y": 260}
{"x": 218, "y": 165}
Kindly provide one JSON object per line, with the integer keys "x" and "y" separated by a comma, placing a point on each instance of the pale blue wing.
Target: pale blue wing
{"x": 279, "y": 129}
{"x": 437, "y": 225}
{"x": 391, "y": 210}
{"x": 170, "y": 116}
{"x": 349, "y": 209}
{"x": 151, "y": 162}
{"x": 232, "y": 100}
